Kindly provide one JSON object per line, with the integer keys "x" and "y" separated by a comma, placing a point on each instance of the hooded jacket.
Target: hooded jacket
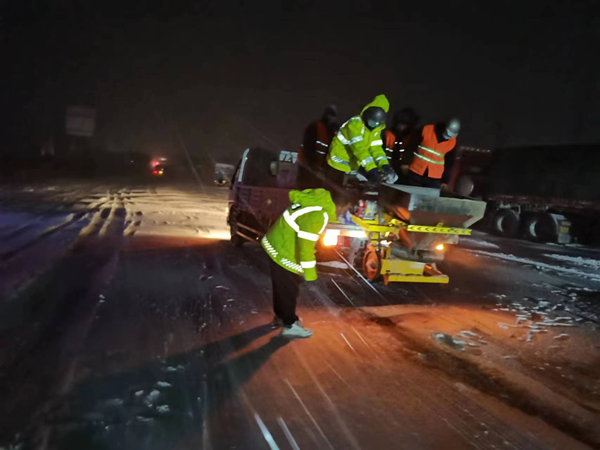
{"x": 291, "y": 241}
{"x": 355, "y": 145}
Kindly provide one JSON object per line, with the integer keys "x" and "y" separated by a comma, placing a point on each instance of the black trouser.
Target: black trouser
{"x": 308, "y": 178}
{"x": 414, "y": 179}
{"x": 286, "y": 287}
{"x": 335, "y": 178}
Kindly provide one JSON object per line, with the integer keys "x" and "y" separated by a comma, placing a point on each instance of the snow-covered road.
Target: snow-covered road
{"x": 128, "y": 321}
{"x": 49, "y": 220}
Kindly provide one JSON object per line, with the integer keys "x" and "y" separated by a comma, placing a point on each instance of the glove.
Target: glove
{"x": 373, "y": 175}
{"x": 389, "y": 176}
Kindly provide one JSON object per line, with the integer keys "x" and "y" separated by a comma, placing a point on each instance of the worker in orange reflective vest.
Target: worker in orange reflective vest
{"x": 430, "y": 158}
{"x": 315, "y": 146}
{"x": 396, "y": 138}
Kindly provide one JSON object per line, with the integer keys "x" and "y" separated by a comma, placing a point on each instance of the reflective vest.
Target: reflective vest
{"x": 394, "y": 147}
{"x": 430, "y": 154}
{"x": 355, "y": 145}
{"x": 314, "y": 154}
{"x": 291, "y": 241}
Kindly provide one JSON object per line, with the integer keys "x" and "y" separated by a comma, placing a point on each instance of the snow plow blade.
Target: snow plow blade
{"x": 400, "y": 271}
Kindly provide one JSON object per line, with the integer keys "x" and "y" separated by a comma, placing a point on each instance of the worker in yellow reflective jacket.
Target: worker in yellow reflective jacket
{"x": 291, "y": 245}
{"x": 358, "y": 144}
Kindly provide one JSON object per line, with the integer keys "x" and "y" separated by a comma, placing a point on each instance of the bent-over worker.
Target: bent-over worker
{"x": 358, "y": 144}
{"x": 290, "y": 243}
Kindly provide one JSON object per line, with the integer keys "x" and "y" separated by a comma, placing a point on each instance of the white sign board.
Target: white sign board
{"x": 81, "y": 121}
{"x": 285, "y": 156}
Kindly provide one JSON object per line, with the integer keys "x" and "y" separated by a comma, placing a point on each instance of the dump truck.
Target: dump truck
{"x": 397, "y": 234}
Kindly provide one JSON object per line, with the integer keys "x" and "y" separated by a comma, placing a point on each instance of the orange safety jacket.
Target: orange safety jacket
{"x": 429, "y": 155}
{"x": 315, "y": 147}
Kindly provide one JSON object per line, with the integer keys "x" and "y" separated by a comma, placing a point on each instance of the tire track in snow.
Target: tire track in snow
{"x": 72, "y": 218}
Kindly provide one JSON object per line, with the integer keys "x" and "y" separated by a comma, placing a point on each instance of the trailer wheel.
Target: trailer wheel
{"x": 531, "y": 228}
{"x": 506, "y": 223}
{"x": 541, "y": 228}
{"x": 372, "y": 265}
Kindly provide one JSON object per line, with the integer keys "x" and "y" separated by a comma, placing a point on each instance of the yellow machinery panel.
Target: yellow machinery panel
{"x": 399, "y": 270}
{"x": 400, "y": 266}
{"x": 371, "y": 226}
{"x": 438, "y": 230}
{"x": 396, "y": 278}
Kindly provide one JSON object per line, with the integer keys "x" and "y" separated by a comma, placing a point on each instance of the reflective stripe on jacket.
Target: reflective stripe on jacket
{"x": 430, "y": 154}
{"x": 323, "y": 139}
{"x": 315, "y": 146}
{"x": 394, "y": 147}
{"x": 355, "y": 145}
{"x": 291, "y": 241}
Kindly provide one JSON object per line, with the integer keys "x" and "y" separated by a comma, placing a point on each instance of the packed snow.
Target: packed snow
{"x": 474, "y": 242}
{"x": 333, "y": 264}
{"x": 578, "y": 261}
{"x": 539, "y": 265}
{"x": 184, "y": 213}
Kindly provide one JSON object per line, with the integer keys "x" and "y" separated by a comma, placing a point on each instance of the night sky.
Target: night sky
{"x": 230, "y": 74}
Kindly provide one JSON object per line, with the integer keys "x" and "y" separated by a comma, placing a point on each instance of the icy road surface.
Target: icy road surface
{"x": 129, "y": 322}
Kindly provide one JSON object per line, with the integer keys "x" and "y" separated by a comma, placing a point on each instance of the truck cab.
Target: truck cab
{"x": 259, "y": 192}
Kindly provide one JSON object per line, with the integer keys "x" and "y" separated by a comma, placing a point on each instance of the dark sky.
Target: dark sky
{"x": 230, "y": 74}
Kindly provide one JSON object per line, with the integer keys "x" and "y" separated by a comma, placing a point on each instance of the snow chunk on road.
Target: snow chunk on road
{"x": 173, "y": 369}
{"x": 449, "y": 340}
{"x": 114, "y": 402}
{"x": 163, "y": 409}
{"x": 144, "y": 419}
{"x": 578, "y": 261}
{"x": 539, "y": 265}
{"x": 152, "y": 397}
{"x": 333, "y": 264}
{"x": 477, "y": 243}
{"x": 468, "y": 334}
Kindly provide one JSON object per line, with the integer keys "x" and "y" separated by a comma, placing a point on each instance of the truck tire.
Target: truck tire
{"x": 506, "y": 223}
{"x": 532, "y": 228}
{"x": 465, "y": 186}
{"x": 541, "y": 227}
{"x": 372, "y": 265}
{"x": 236, "y": 239}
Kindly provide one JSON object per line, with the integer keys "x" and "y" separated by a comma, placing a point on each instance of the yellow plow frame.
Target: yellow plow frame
{"x": 379, "y": 261}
